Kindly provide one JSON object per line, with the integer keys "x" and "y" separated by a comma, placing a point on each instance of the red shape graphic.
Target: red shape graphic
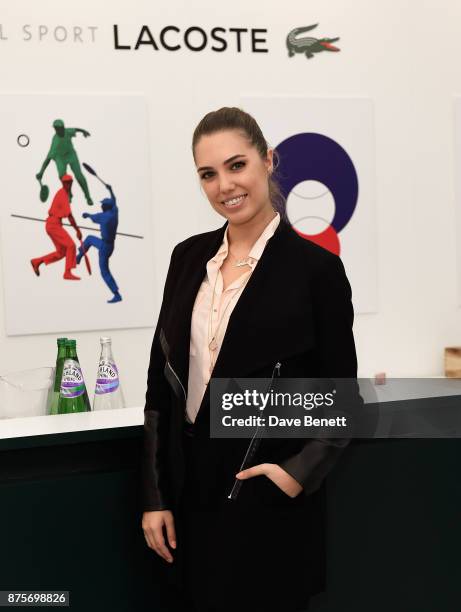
{"x": 327, "y": 239}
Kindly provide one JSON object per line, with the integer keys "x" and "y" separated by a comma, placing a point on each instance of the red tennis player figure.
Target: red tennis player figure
{"x": 65, "y": 246}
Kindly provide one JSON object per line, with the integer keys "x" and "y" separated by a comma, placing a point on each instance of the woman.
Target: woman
{"x": 251, "y": 299}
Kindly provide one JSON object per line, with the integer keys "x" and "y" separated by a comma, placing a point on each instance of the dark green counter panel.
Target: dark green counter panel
{"x": 394, "y": 535}
{"x": 70, "y": 519}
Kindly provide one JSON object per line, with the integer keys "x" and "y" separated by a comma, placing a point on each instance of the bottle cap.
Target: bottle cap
{"x": 71, "y": 343}
{"x": 105, "y": 340}
{"x": 61, "y": 341}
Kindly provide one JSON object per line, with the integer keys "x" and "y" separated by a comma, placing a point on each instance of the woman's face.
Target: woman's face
{"x": 233, "y": 175}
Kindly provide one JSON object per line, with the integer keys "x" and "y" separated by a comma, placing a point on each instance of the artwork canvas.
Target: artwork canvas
{"x": 457, "y": 102}
{"x": 326, "y": 150}
{"x": 76, "y": 218}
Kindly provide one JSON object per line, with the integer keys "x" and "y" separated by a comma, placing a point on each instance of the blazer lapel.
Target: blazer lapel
{"x": 178, "y": 318}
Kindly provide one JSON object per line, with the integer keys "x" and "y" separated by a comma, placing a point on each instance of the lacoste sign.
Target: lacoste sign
{"x": 167, "y": 38}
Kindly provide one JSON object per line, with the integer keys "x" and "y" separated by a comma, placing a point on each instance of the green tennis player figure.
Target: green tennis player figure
{"x": 62, "y": 152}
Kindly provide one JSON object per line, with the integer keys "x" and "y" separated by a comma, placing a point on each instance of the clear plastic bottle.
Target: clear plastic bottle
{"x": 108, "y": 392}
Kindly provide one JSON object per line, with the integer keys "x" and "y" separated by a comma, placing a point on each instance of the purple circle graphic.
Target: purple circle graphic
{"x": 315, "y": 157}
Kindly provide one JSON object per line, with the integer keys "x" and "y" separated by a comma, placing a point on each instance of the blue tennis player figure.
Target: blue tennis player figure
{"x": 108, "y": 220}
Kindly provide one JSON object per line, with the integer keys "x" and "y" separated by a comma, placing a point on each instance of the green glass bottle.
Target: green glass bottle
{"x": 73, "y": 395}
{"x": 54, "y": 401}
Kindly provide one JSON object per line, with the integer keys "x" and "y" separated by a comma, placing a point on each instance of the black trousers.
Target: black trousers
{"x": 247, "y": 555}
{"x": 179, "y": 602}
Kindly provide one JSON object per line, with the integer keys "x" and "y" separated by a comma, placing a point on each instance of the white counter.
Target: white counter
{"x": 64, "y": 423}
{"x": 394, "y": 389}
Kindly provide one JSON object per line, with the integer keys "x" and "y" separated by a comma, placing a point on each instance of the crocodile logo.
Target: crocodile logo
{"x": 308, "y": 44}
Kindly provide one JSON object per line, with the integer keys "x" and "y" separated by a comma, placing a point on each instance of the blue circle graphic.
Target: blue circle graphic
{"x": 311, "y": 156}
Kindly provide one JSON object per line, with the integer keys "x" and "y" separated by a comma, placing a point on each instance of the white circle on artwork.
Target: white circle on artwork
{"x": 23, "y": 140}
{"x": 310, "y": 207}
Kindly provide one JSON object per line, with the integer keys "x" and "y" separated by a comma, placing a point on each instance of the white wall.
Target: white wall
{"x": 404, "y": 55}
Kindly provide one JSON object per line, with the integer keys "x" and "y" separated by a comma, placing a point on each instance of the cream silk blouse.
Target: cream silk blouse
{"x": 207, "y": 322}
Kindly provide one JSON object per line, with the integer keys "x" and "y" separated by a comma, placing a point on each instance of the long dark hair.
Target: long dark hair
{"x": 233, "y": 118}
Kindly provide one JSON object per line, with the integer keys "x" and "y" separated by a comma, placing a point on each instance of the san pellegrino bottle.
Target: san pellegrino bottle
{"x": 73, "y": 395}
{"x": 108, "y": 392}
{"x": 54, "y": 401}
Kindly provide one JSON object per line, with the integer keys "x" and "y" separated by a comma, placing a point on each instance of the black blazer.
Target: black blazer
{"x": 295, "y": 309}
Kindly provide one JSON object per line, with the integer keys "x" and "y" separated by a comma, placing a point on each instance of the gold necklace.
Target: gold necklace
{"x": 239, "y": 262}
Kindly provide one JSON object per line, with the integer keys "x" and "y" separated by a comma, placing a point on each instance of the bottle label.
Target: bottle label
{"x": 107, "y": 381}
{"x": 72, "y": 384}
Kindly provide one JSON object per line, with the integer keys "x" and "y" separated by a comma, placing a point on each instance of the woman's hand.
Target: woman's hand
{"x": 152, "y": 525}
{"x": 282, "y": 479}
